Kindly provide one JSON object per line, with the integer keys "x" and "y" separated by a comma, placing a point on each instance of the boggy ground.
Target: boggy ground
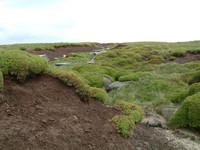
{"x": 59, "y": 52}
{"x": 44, "y": 114}
{"x": 189, "y": 57}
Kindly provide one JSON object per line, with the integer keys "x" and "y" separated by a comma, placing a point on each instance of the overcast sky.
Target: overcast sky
{"x": 30, "y": 21}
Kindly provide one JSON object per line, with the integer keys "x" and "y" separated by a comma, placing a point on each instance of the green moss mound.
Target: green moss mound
{"x": 133, "y": 76}
{"x": 131, "y": 113}
{"x": 178, "y": 95}
{"x": 194, "y": 77}
{"x": 21, "y": 64}
{"x": 178, "y": 53}
{"x": 73, "y": 78}
{"x": 1, "y": 82}
{"x": 131, "y": 109}
{"x": 123, "y": 124}
{"x": 94, "y": 79}
{"x": 194, "y": 88}
{"x": 93, "y": 68}
{"x": 188, "y": 114}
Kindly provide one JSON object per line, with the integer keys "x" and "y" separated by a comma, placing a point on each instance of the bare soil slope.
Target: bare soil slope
{"x": 45, "y": 114}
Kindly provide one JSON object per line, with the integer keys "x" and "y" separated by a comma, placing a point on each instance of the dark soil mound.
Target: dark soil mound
{"x": 43, "y": 113}
{"x": 59, "y": 52}
{"x": 187, "y": 58}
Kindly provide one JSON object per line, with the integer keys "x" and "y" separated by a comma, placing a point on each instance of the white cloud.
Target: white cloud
{"x": 100, "y": 21}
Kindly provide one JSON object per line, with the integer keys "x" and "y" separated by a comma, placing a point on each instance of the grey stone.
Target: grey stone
{"x": 119, "y": 84}
{"x": 96, "y": 52}
{"x": 168, "y": 112}
{"x": 62, "y": 64}
{"x": 153, "y": 122}
{"x": 91, "y": 61}
{"x": 106, "y": 83}
{"x": 44, "y": 56}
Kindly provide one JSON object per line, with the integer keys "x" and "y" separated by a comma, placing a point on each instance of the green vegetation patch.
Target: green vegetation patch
{"x": 94, "y": 79}
{"x": 152, "y": 90}
{"x": 193, "y": 77}
{"x": 119, "y": 59}
{"x": 94, "y": 68}
{"x": 133, "y": 76}
{"x": 134, "y": 111}
{"x": 188, "y": 114}
{"x": 43, "y": 46}
{"x": 123, "y": 124}
{"x": 194, "y": 88}
{"x": 21, "y": 64}
{"x": 178, "y": 53}
{"x": 131, "y": 113}
{"x": 179, "y": 94}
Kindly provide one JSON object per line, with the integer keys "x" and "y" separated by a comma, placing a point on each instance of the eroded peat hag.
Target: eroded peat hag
{"x": 189, "y": 57}
{"x": 43, "y": 113}
{"x": 61, "y": 51}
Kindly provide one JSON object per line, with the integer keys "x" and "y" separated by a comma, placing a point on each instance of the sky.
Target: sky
{"x": 103, "y": 21}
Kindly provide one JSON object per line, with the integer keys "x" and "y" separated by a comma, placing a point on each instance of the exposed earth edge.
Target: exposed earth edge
{"x": 43, "y": 113}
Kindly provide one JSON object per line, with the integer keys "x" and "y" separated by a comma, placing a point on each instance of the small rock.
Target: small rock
{"x": 153, "y": 122}
{"x": 106, "y": 83}
{"x": 44, "y": 121}
{"x": 119, "y": 84}
{"x": 168, "y": 112}
{"x": 96, "y": 52}
{"x": 138, "y": 148}
{"x": 62, "y": 64}
{"x": 90, "y": 62}
{"x": 75, "y": 119}
{"x": 44, "y": 56}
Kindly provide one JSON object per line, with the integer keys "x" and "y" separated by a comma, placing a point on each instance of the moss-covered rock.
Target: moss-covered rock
{"x": 21, "y": 64}
{"x": 188, "y": 114}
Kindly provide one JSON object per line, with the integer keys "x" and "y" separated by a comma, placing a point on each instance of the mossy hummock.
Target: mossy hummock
{"x": 188, "y": 114}
{"x": 21, "y": 64}
{"x": 73, "y": 78}
{"x": 131, "y": 113}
